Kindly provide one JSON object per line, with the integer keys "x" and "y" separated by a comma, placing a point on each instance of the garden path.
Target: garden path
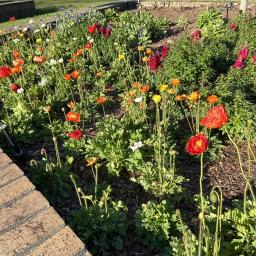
{"x": 29, "y": 226}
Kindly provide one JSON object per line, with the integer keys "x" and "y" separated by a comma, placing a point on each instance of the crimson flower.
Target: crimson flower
{"x": 12, "y": 18}
{"x": 14, "y": 87}
{"x": 243, "y": 53}
{"x": 239, "y": 64}
{"x": 155, "y": 61}
{"x": 107, "y": 32}
{"x": 233, "y": 26}
{"x": 165, "y": 51}
{"x": 216, "y": 117}
{"x": 196, "y": 35}
{"x": 254, "y": 59}
{"x": 76, "y": 134}
{"x": 5, "y": 71}
{"x": 197, "y": 144}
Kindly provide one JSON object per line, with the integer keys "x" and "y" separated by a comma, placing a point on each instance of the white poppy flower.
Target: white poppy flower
{"x": 138, "y": 99}
{"x": 31, "y": 21}
{"x": 20, "y": 90}
{"x": 136, "y": 145}
{"x": 61, "y": 60}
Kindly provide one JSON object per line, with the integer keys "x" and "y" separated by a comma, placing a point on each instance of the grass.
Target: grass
{"x": 47, "y": 9}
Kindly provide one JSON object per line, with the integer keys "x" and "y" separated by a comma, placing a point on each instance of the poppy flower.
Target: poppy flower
{"x": 243, "y": 53}
{"x": 212, "y": 99}
{"x": 107, "y": 32}
{"x": 75, "y": 74}
{"x": 100, "y": 29}
{"x": 239, "y": 64}
{"x": 149, "y": 51}
{"x": 16, "y": 54}
{"x": 175, "y": 82}
{"x": 73, "y": 117}
{"x": 144, "y": 89}
{"x": 101, "y": 100}
{"x": 71, "y": 60}
{"x": 233, "y": 26}
{"x": 154, "y": 61}
{"x": 14, "y": 87}
{"x": 5, "y": 71}
{"x": 12, "y": 18}
{"x": 156, "y": 98}
{"x": 67, "y": 77}
{"x": 88, "y": 46}
{"x": 39, "y": 59}
{"x": 136, "y": 85}
{"x": 181, "y": 97}
{"x": 91, "y": 29}
{"x": 163, "y": 87}
{"x": 76, "y": 134}
{"x": 254, "y": 59}
{"x": 196, "y": 35}
{"x": 16, "y": 70}
{"x": 194, "y": 96}
{"x": 215, "y": 117}
{"x": 197, "y": 144}
{"x": 18, "y": 62}
{"x": 165, "y": 51}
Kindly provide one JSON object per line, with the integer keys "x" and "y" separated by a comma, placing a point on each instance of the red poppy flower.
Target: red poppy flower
{"x": 88, "y": 46}
{"x": 254, "y": 59}
{"x": 197, "y": 144}
{"x": 71, "y": 60}
{"x": 196, "y": 35}
{"x": 12, "y": 18}
{"x": 215, "y": 117}
{"x": 233, "y": 26}
{"x": 107, "y": 32}
{"x": 91, "y": 29}
{"x": 165, "y": 51}
{"x": 5, "y": 71}
{"x": 14, "y": 87}
{"x": 76, "y": 134}
{"x": 155, "y": 61}
{"x": 73, "y": 117}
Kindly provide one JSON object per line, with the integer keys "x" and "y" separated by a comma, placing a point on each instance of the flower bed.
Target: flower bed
{"x": 112, "y": 128}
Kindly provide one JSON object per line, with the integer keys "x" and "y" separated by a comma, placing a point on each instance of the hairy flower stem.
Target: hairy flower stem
{"x": 72, "y": 177}
{"x": 201, "y": 182}
{"x": 241, "y": 165}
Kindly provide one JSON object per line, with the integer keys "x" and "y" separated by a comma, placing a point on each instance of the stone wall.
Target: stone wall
{"x": 16, "y": 8}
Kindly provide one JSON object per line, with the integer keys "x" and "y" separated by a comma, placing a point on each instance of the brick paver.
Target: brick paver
{"x": 28, "y": 225}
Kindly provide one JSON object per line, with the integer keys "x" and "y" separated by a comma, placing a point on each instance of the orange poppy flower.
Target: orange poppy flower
{"x": 40, "y": 49}
{"x": 181, "y": 97}
{"x": 131, "y": 93}
{"x": 144, "y": 89}
{"x": 73, "y": 117}
{"x": 215, "y": 117}
{"x": 75, "y": 74}
{"x": 175, "y": 82}
{"x": 101, "y": 100}
{"x": 18, "y": 62}
{"x": 16, "y": 54}
{"x": 212, "y": 99}
{"x": 194, "y": 96}
{"x": 16, "y": 70}
{"x": 67, "y": 77}
{"x": 78, "y": 53}
{"x": 136, "y": 85}
{"x": 39, "y": 59}
{"x": 71, "y": 60}
{"x": 99, "y": 74}
{"x": 149, "y": 51}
